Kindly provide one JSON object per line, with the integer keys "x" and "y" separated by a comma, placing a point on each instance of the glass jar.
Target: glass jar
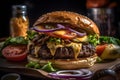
{"x": 19, "y": 22}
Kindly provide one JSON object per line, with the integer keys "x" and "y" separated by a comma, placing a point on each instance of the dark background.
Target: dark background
{"x": 35, "y": 9}
{"x": 38, "y": 7}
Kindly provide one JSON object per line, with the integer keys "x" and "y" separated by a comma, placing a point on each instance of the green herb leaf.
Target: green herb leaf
{"x": 32, "y": 64}
{"x": 93, "y": 39}
{"x": 56, "y": 40}
{"x": 48, "y": 67}
{"x": 31, "y": 34}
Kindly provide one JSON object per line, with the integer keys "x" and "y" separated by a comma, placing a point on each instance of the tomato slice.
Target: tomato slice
{"x": 65, "y": 34}
{"x": 100, "y": 48}
{"x": 15, "y": 52}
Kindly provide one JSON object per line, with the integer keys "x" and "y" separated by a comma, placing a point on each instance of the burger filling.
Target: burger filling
{"x": 59, "y": 43}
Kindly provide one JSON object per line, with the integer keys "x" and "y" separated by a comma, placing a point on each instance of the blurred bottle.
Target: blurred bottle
{"x": 19, "y": 22}
{"x": 104, "y": 18}
{"x": 102, "y": 13}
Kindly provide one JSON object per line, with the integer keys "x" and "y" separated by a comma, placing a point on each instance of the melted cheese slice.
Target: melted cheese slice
{"x": 76, "y": 48}
{"x": 53, "y": 47}
{"x": 37, "y": 48}
{"x": 60, "y": 32}
{"x": 29, "y": 44}
{"x": 82, "y": 39}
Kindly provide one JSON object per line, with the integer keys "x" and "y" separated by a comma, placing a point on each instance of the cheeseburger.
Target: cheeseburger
{"x": 61, "y": 37}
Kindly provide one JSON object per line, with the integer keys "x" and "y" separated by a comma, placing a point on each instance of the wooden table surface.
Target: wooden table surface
{"x": 19, "y": 67}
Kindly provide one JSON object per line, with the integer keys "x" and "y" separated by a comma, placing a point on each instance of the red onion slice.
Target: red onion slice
{"x": 72, "y": 30}
{"x": 46, "y": 30}
{"x": 82, "y": 74}
{"x": 59, "y": 27}
{"x": 62, "y": 73}
{"x": 78, "y": 33}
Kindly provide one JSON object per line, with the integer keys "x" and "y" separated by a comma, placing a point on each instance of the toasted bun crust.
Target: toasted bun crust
{"x": 67, "y": 63}
{"x": 72, "y": 18}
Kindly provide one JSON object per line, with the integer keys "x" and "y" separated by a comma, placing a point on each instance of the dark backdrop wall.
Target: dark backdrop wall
{"x": 38, "y": 7}
{"x": 35, "y": 9}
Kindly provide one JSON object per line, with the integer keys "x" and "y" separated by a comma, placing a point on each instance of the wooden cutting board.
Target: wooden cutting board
{"x": 19, "y": 67}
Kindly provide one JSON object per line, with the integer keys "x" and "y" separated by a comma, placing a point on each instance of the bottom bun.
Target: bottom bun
{"x": 67, "y": 63}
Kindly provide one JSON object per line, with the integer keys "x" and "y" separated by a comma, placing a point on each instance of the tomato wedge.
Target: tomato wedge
{"x": 100, "y": 48}
{"x": 65, "y": 34}
{"x": 15, "y": 52}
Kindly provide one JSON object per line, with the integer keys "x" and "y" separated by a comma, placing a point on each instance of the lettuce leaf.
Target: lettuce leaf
{"x": 15, "y": 40}
{"x": 109, "y": 40}
{"x": 93, "y": 39}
